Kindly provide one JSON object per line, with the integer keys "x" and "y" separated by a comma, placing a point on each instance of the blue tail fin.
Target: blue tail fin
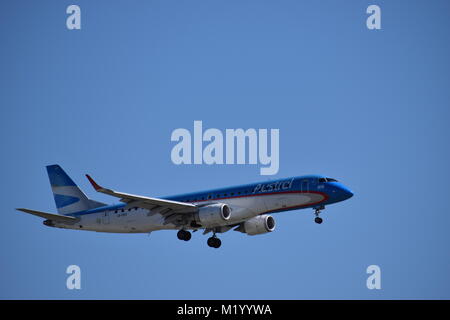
{"x": 68, "y": 196}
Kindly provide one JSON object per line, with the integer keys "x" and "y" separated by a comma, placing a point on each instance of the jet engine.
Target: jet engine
{"x": 213, "y": 215}
{"x": 257, "y": 225}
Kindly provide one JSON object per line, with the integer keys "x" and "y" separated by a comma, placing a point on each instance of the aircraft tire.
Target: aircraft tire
{"x": 214, "y": 242}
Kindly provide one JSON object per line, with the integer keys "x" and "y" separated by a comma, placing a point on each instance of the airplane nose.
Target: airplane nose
{"x": 346, "y": 193}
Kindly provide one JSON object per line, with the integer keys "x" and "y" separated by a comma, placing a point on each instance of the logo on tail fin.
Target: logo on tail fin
{"x": 69, "y": 198}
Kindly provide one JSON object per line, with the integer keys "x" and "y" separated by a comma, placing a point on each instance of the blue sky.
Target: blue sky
{"x": 369, "y": 108}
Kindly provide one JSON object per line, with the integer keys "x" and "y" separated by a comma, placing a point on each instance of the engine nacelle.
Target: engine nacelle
{"x": 258, "y": 225}
{"x": 213, "y": 215}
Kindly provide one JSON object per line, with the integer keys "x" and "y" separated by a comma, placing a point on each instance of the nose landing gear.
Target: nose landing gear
{"x": 318, "y": 219}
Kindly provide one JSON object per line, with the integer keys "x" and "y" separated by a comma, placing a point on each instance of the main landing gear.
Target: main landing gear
{"x": 184, "y": 235}
{"x": 318, "y": 219}
{"x": 214, "y": 242}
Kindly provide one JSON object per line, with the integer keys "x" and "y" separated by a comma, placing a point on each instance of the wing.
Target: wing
{"x": 164, "y": 207}
{"x": 50, "y": 216}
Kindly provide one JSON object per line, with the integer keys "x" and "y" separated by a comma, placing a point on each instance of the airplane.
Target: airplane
{"x": 244, "y": 208}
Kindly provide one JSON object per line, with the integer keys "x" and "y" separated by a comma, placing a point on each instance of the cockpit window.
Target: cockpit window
{"x": 327, "y": 180}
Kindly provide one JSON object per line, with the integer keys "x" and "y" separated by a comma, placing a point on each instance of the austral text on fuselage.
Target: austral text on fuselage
{"x": 275, "y": 186}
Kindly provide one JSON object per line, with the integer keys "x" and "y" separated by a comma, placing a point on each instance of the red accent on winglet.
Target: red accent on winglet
{"x": 94, "y": 184}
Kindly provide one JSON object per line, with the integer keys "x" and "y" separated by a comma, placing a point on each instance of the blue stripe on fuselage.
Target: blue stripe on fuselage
{"x": 241, "y": 191}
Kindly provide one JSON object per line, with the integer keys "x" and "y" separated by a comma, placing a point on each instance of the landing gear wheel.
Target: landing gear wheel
{"x": 214, "y": 242}
{"x": 318, "y": 220}
{"x": 184, "y": 235}
{"x": 217, "y": 243}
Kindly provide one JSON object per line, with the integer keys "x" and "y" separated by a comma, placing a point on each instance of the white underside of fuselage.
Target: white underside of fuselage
{"x": 144, "y": 221}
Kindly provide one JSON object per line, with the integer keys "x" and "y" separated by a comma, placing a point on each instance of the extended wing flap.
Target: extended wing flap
{"x": 49, "y": 216}
{"x": 144, "y": 202}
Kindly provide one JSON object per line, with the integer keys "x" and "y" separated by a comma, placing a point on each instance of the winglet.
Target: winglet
{"x": 94, "y": 184}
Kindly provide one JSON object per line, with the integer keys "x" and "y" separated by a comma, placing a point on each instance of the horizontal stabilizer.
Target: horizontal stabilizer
{"x": 49, "y": 216}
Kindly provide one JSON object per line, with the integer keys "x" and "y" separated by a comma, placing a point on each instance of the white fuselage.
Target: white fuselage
{"x": 139, "y": 220}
